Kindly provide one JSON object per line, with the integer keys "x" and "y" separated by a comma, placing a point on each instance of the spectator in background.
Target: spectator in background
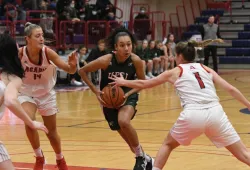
{"x": 31, "y": 4}
{"x": 141, "y": 51}
{"x": 210, "y": 31}
{"x": 154, "y": 57}
{"x": 104, "y": 7}
{"x": 95, "y": 53}
{"x": 46, "y": 21}
{"x": 171, "y": 50}
{"x": 80, "y": 8}
{"x": 142, "y": 24}
{"x": 81, "y": 57}
{"x": 162, "y": 53}
{"x": 9, "y": 10}
{"x": 68, "y": 14}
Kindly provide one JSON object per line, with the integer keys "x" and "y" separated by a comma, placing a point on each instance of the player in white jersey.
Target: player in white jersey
{"x": 202, "y": 111}
{"x": 37, "y": 92}
{"x": 11, "y": 72}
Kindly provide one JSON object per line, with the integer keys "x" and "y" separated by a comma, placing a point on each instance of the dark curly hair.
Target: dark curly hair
{"x": 9, "y": 60}
{"x": 112, "y": 39}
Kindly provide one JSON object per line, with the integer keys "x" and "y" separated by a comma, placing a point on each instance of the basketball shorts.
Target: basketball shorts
{"x": 46, "y": 104}
{"x": 213, "y": 122}
{"x": 111, "y": 115}
{"x": 4, "y": 156}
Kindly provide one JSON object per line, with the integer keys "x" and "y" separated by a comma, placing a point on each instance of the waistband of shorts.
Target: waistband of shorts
{"x": 201, "y": 106}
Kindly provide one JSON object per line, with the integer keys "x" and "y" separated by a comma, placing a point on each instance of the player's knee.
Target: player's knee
{"x": 124, "y": 123}
{"x": 52, "y": 134}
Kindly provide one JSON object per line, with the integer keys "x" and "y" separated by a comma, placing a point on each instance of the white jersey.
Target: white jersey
{"x": 2, "y": 89}
{"x": 195, "y": 85}
{"x": 39, "y": 79}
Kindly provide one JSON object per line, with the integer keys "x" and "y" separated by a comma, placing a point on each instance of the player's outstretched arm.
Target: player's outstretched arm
{"x": 69, "y": 67}
{"x": 139, "y": 73}
{"x": 144, "y": 84}
{"x": 10, "y": 101}
{"x": 229, "y": 88}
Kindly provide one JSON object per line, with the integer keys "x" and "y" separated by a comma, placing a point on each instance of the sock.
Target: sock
{"x": 38, "y": 152}
{"x": 138, "y": 151}
{"x": 148, "y": 158}
{"x": 155, "y": 168}
{"x": 59, "y": 156}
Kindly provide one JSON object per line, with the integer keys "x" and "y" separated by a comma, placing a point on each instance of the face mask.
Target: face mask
{"x": 111, "y": 18}
{"x": 72, "y": 5}
{"x": 94, "y": 12}
{"x": 142, "y": 11}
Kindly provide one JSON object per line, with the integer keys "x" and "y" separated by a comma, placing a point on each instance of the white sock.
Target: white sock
{"x": 38, "y": 152}
{"x": 155, "y": 168}
{"x": 59, "y": 156}
{"x": 147, "y": 157}
{"x": 138, "y": 151}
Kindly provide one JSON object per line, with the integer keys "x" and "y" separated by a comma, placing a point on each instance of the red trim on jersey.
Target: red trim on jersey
{"x": 21, "y": 56}
{"x": 46, "y": 54}
{"x": 181, "y": 71}
{"x": 40, "y": 57}
{"x": 204, "y": 68}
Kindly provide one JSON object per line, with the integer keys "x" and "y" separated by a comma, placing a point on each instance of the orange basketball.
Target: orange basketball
{"x": 113, "y": 96}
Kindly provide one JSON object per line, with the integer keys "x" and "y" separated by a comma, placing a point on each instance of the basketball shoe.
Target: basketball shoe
{"x": 40, "y": 162}
{"x": 61, "y": 164}
{"x": 140, "y": 163}
{"x": 150, "y": 163}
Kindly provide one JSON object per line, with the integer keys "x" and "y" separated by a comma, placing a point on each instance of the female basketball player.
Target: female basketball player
{"x": 202, "y": 111}
{"x": 123, "y": 61}
{"x": 11, "y": 74}
{"x": 37, "y": 92}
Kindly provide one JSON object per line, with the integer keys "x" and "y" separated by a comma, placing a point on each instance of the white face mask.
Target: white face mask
{"x": 142, "y": 11}
{"x": 72, "y": 5}
{"x": 94, "y": 12}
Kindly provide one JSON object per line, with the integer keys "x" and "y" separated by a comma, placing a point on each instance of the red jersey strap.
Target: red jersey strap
{"x": 181, "y": 71}
{"x": 204, "y": 68}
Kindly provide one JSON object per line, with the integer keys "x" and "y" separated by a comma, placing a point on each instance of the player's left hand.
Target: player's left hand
{"x": 72, "y": 60}
{"x": 117, "y": 81}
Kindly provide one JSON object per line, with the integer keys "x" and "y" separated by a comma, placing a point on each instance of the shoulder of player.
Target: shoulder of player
{"x": 105, "y": 59}
{"x": 135, "y": 59}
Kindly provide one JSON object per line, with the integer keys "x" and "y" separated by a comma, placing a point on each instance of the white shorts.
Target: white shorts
{"x": 4, "y": 156}
{"x": 46, "y": 104}
{"x": 212, "y": 121}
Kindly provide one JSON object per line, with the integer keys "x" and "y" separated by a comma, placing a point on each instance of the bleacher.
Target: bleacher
{"x": 232, "y": 16}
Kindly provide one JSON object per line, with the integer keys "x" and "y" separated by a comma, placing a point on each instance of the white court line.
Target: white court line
{"x": 27, "y": 168}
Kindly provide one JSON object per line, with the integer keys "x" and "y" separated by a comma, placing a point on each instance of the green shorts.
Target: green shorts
{"x": 111, "y": 115}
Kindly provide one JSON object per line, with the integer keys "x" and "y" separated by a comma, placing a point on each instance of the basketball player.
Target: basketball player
{"x": 11, "y": 74}
{"x": 123, "y": 61}
{"x": 37, "y": 92}
{"x": 202, "y": 112}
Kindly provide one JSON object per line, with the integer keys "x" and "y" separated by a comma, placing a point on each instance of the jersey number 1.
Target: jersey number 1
{"x": 198, "y": 77}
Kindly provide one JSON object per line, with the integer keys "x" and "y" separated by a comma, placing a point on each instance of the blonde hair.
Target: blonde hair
{"x": 29, "y": 27}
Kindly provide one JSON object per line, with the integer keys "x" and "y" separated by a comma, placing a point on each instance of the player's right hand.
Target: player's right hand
{"x": 39, "y": 126}
{"x": 98, "y": 94}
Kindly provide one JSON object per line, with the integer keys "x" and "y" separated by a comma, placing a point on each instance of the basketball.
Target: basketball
{"x": 113, "y": 97}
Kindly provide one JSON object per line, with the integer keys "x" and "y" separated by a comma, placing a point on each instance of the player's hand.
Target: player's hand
{"x": 72, "y": 60}
{"x": 117, "y": 81}
{"x": 39, "y": 126}
{"x": 98, "y": 94}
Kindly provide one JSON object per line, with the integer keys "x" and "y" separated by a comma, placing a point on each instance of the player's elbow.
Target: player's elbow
{"x": 82, "y": 72}
{"x": 231, "y": 89}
